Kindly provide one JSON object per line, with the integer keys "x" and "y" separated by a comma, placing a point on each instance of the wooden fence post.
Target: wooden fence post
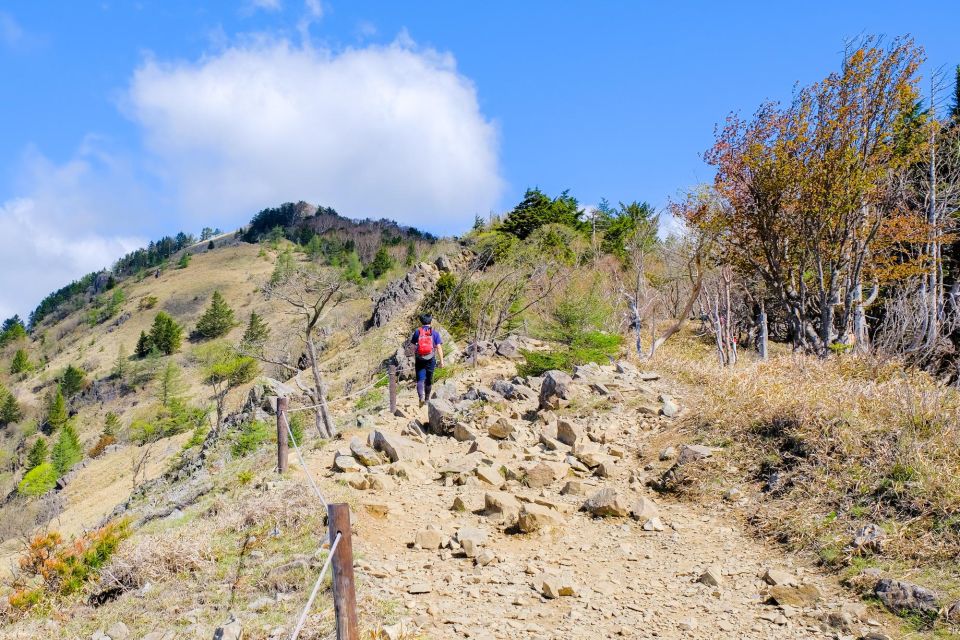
{"x": 344, "y": 594}
{"x": 282, "y": 449}
{"x": 392, "y": 372}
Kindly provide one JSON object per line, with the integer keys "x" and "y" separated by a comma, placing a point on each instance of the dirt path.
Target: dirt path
{"x": 627, "y": 579}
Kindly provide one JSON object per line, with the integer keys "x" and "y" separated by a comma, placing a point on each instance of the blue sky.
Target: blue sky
{"x": 127, "y": 120}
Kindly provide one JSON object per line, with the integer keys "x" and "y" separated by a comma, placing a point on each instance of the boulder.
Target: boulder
{"x": 573, "y": 488}
{"x": 364, "y": 454}
{"x": 570, "y": 434}
{"x": 347, "y": 464}
{"x": 540, "y": 475}
{"x": 644, "y": 509}
{"x": 804, "y": 595}
{"x": 905, "y": 597}
{"x": 501, "y": 506}
{"x": 442, "y": 416}
{"x": 486, "y": 446}
{"x": 556, "y": 386}
{"x": 233, "y": 630}
{"x": 605, "y": 503}
{"x": 712, "y": 577}
{"x": 397, "y": 448}
{"x": 490, "y": 476}
{"x": 444, "y": 264}
{"x": 775, "y": 577}
{"x": 534, "y": 517}
{"x": 118, "y": 631}
{"x": 462, "y": 432}
{"x": 501, "y": 429}
{"x": 555, "y": 586}
{"x": 429, "y": 539}
{"x": 693, "y": 453}
{"x": 509, "y": 348}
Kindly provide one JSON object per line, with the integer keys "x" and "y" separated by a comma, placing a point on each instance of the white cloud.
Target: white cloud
{"x": 76, "y": 218}
{"x": 43, "y": 255}
{"x": 382, "y": 131}
{"x": 265, "y": 5}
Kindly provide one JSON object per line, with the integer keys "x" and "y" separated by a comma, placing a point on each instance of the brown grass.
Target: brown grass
{"x": 851, "y": 441}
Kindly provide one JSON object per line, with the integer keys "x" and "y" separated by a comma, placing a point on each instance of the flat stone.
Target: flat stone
{"x": 429, "y": 539}
{"x": 490, "y": 476}
{"x": 776, "y": 577}
{"x": 366, "y": 455}
{"x": 712, "y": 577}
{"x": 398, "y": 448}
{"x": 501, "y": 429}
{"x": 804, "y": 595}
{"x": 463, "y": 432}
{"x": 346, "y": 464}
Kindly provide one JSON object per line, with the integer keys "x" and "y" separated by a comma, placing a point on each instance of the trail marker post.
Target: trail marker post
{"x": 282, "y": 443}
{"x": 344, "y": 593}
{"x": 392, "y": 373}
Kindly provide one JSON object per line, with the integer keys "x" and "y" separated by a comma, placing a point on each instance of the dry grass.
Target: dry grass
{"x": 833, "y": 445}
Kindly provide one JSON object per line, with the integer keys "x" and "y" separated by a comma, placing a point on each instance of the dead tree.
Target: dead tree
{"x": 310, "y": 295}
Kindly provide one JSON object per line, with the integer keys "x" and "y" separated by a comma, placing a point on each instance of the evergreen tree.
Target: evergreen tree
{"x": 537, "y": 209}
{"x": 66, "y": 452}
{"x": 10, "y": 411}
{"x": 165, "y": 334}
{"x": 12, "y": 330}
{"x": 217, "y": 320}
{"x": 171, "y": 384}
{"x": 57, "y": 414}
{"x": 120, "y": 364}
{"x": 72, "y": 380}
{"x": 111, "y": 424}
{"x": 257, "y": 332}
{"x": 380, "y": 265}
{"x": 38, "y": 453}
{"x": 144, "y": 345}
{"x": 21, "y": 362}
{"x": 211, "y": 246}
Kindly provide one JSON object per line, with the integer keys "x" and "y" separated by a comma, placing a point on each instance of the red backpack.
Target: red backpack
{"x": 425, "y": 342}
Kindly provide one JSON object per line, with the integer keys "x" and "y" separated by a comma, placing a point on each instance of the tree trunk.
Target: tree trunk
{"x": 324, "y": 422}
{"x": 763, "y": 335}
{"x": 861, "y": 339}
{"x": 826, "y": 324}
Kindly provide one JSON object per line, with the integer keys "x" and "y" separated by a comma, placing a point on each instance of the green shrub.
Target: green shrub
{"x": 38, "y": 481}
{"x": 494, "y": 246}
{"x": 297, "y": 426}
{"x": 164, "y": 422}
{"x": 252, "y": 434}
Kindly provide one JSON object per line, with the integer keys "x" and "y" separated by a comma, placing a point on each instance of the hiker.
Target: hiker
{"x": 428, "y": 348}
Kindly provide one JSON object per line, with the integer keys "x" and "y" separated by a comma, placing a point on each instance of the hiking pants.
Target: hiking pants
{"x": 425, "y": 370}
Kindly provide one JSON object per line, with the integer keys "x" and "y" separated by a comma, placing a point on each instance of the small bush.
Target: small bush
{"x": 38, "y": 481}
{"x": 63, "y": 568}
{"x": 297, "y": 427}
{"x": 252, "y": 434}
{"x": 104, "y": 442}
{"x": 166, "y": 421}
{"x": 148, "y": 302}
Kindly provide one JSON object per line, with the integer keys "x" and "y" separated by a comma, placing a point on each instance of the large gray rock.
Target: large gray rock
{"x": 442, "y": 416}
{"x": 509, "y": 348}
{"x": 397, "y": 448}
{"x": 556, "y": 386}
{"x": 400, "y": 296}
{"x": 905, "y": 597}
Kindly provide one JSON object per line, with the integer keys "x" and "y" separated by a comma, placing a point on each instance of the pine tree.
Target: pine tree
{"x": 21, "y": 362}
{"x": 111, "y": 424}
{"x": 57, "y": 414}
{"x": 171, "y": 384}
{"x": 66, "y": 452}
{"x": 38, "y": 453}
{"x": 120, "y": 364}
{"x": 10, "y": 411}
{"x": 381, "y": 263}
{"x": 144, "y": 345}
{"x": 165, "y": 334}
{"x": 257, "y": 332}
{"x": 217, "y": 320}
{"x": 72, "y": 380}
{"x": 12, "y": 330}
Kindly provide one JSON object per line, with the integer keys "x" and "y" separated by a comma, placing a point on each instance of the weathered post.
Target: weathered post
{"x": 344, "y": 594}
{"x": 764, "y": 334}
{"x": 282, "y": 450}
{"x": 392, "y": 372}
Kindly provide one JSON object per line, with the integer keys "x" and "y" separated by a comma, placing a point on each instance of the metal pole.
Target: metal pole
{"x": 344, "y": 593}
{"x": 282, "y": 449}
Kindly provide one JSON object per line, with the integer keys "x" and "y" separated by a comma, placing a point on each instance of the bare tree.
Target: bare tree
{"x": 310, "y": 295}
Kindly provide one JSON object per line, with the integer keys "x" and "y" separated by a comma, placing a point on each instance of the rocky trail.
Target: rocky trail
{"x": 523, "y": 508}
